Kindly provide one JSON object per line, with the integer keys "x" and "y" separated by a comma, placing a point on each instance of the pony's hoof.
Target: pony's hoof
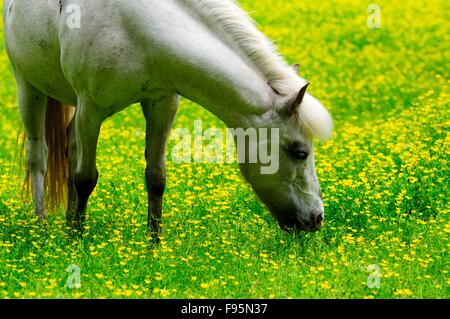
{"x": 154, "y": 238}
{"x": 75, "y": 229}
{"x": 75, "y": 233}
{"x": 42, "y": 216}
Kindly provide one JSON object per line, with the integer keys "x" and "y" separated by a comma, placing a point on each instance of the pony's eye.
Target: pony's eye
{"x": 298, "y": 152}
{"x": 299, "y": 155}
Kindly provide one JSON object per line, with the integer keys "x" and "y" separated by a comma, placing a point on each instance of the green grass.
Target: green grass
{"x": 384, "y": 178}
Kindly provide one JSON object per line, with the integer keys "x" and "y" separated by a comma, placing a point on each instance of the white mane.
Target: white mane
{"x": 239, "y": 31}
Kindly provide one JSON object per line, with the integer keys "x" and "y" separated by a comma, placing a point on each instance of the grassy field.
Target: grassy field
{"x": 385, "y": 179}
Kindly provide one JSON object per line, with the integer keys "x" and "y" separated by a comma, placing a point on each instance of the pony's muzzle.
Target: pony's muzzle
{"x": 294, "y": 226}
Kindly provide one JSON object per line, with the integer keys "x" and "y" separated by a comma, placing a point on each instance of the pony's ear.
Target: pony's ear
{"x": 295, "y": 104}
{"x": 296, "y": 67}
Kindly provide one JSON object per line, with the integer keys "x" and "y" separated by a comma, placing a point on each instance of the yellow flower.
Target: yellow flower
{"x": 325, "y": 285}
{"x": 403, "y": 292}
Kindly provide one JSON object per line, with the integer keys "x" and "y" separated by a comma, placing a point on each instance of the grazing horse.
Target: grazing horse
{"x": 102, "y": 56}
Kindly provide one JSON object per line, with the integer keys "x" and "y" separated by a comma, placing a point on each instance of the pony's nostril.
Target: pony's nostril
{"x": 319, "y": 219}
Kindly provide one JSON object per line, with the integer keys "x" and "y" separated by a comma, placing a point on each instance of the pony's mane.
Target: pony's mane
{"x": 239, "y": 31}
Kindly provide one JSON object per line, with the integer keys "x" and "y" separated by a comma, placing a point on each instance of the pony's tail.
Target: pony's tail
{"x": 57, "y": 119}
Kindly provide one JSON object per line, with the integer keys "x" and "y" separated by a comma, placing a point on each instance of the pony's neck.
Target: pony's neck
{"x": 210, "y": 64}
{"x": 227, "y": 87}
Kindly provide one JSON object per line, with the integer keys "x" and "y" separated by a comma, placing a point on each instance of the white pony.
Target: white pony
{"x": 102, "y": 56}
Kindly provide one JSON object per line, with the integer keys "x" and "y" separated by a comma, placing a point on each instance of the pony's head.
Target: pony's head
{"x": 292, "y": 193}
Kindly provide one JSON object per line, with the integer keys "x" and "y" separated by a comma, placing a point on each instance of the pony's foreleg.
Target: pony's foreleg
{"x": 85, "y": 175}
{"x": 159, "y": 116}
{"x": 32, "y": 108}
{"x": 72, "y": 155}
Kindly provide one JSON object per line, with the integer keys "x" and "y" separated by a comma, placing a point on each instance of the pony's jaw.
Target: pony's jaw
{"x": 291, "y": 212}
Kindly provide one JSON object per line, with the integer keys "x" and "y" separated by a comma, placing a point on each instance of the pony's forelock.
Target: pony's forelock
{"x": 314, "y": 119}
